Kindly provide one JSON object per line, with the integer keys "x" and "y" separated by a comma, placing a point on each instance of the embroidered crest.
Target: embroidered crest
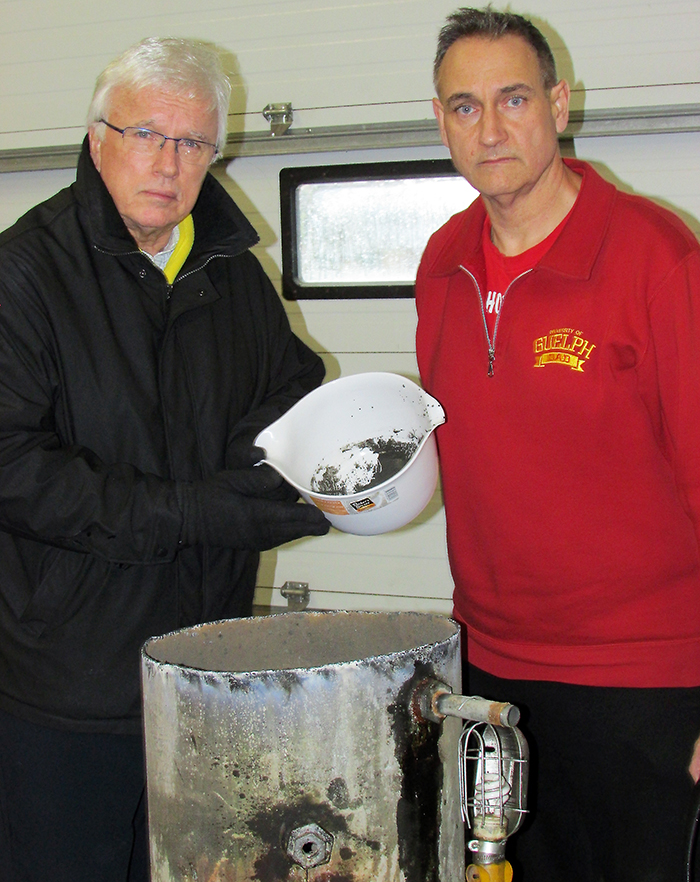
{"x": 564, "y": 346}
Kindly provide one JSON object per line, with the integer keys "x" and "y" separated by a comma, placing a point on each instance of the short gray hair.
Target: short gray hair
{"x": 490, "y": 24}
{"x": 183, "y": 67}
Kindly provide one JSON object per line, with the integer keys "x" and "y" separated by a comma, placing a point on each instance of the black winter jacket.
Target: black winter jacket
{"x": 114, "y": 386}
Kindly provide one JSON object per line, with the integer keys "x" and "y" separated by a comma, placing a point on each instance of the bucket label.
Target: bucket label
{"x": 332, "y": 506}
{"x": 363, "y": 504}
{"x": 356, "y": 506}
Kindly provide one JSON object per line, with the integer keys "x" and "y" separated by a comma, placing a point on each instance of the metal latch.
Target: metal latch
{"x": 280, "y": 117}
{"x": 296, "y": 594}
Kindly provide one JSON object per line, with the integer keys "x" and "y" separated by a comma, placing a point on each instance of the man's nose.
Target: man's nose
{"x": 492, "y": 130}
{"x": 166, "y": 160}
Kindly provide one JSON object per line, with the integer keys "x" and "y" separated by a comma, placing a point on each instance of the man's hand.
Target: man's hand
{"x": 242, "y": 456}
{"x": 246, "y": 508}
{"x": 261, "y": 481}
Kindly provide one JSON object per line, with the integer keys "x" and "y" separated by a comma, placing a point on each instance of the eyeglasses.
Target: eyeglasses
{"x": 146, "y": 142}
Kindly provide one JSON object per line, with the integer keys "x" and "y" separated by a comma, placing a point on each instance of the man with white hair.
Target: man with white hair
{"x": 141, "y": 350}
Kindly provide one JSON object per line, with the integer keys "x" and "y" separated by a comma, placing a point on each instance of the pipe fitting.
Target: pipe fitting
{"x": 310, "y": 846}
{"x": 433, "y": 701}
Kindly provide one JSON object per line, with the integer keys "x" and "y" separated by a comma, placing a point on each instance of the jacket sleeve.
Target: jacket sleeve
{"x": 62, "y": 493}
{"x": 287, "y": 369}
{"x": 59, "y": 493}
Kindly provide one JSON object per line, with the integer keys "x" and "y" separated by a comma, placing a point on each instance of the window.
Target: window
{"x": 359, "y": 230}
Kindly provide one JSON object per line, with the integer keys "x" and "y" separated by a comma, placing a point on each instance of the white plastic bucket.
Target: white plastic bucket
{"x": 320, "y": 428}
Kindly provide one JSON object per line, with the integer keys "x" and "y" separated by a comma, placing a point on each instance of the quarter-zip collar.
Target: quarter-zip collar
{"x": 221, "y": 228}
{"x": 491, "y": 339}
{"x": 573, "y": 254}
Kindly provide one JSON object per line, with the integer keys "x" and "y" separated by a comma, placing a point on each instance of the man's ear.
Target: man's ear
{"x": 439, "y": 112}
{"x": 95, "y": 147}
{"x": 559, "y": 97}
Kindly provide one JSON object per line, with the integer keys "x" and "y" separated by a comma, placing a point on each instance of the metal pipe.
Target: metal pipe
{"x": 480, "y": 710}
{"x": 433, "y": 700}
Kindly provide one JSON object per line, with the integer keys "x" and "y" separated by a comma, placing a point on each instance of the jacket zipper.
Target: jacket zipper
{"x": 196, "y": 269}
{"x": 169, "y": 290}
{"x": 189, "y": 272}
{"x": 491, "y": 341}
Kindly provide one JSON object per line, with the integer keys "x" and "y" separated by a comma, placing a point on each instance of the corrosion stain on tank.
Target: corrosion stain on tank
{"x": 338, "y": 793}
{"x": 418, "y": 809}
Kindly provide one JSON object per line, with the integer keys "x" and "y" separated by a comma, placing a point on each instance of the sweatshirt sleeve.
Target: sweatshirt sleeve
{"x": 674, "y": 396}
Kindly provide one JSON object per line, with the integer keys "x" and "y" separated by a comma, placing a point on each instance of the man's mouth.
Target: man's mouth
{"x": 165, "y": 196}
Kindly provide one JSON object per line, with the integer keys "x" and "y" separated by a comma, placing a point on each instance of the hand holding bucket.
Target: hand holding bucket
{"x": 361, "y": 449}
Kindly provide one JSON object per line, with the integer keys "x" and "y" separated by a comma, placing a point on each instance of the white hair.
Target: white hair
{"x": 183, "y": 67}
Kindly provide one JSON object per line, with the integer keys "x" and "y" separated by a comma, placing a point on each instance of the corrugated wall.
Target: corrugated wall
{"x": 339, "y": 62}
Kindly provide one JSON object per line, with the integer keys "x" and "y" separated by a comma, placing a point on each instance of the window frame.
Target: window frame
{"x": 292, "y": 178}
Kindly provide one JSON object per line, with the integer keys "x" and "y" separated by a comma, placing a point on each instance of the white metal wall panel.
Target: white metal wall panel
{"x": 20, "y": 190}
{"x": 339, "y": 62}
{"x": 403, "y": 570}
{"x": 665, "y": 168}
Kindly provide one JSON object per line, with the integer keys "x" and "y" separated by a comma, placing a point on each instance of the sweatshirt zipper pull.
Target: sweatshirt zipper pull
{"x": 492, "y": 356}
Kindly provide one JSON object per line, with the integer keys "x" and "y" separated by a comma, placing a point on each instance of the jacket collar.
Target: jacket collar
{"x": 573, "y": 254}
{"x": 220, "y": 226}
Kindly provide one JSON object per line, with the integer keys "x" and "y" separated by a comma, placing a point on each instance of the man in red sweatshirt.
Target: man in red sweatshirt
{"x": 559, "y": 326}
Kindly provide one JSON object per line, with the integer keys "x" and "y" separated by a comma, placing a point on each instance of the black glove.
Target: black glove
{"x": 244, "y": 455}
{"x": 263, "y": 481}
{"x": 234, "y": 509}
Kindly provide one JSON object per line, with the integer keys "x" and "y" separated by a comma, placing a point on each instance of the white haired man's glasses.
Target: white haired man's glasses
{"x": 140, "y": 140}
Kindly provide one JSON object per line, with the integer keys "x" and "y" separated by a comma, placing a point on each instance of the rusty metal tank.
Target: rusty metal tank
{"x": 288, "y": 747}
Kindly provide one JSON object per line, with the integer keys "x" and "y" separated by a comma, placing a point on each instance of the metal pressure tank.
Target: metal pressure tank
{"x": 289, "y": 747}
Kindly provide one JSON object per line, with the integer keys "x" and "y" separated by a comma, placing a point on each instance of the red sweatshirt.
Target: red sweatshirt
{"x": 571, "y": 476}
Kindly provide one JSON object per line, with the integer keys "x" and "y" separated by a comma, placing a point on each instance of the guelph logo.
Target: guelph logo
{"x": 565, "y": 346}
